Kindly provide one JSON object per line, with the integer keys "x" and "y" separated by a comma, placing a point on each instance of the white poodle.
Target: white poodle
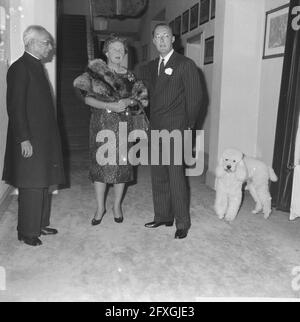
{"x": 233, "y": 170}
{"x": 231, "y": 174}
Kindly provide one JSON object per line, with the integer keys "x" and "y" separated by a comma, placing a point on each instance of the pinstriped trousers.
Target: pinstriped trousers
{"x": 170, "y": 193}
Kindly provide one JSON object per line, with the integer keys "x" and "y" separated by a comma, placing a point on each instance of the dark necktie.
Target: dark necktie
{"x": 161, "y": 67}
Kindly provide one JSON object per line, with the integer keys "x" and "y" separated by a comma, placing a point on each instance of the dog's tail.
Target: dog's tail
{"x": 272, "y": 175}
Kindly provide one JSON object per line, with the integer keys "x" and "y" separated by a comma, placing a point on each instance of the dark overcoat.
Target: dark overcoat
{"x": 31, "y": 116}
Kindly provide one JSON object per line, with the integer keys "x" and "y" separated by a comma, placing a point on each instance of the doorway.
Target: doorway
{"x": 288, "y": 116}
{"x": 195, "y": 49}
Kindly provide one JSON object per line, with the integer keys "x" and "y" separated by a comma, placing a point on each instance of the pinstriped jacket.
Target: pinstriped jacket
{"x": 176, "y": 95}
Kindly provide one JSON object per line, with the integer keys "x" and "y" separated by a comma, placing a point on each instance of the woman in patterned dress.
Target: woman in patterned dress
{"x": 110, "y": 90}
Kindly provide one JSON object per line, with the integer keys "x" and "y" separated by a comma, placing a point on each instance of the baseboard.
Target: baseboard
{"x": 5, "y": 200}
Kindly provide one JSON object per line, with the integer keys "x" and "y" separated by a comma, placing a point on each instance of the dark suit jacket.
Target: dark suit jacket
{"x": 175, "y": 100}
{"x": 31, "y": 117}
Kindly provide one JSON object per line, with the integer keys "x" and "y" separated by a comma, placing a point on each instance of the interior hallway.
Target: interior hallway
{"x": 248, "y": 258}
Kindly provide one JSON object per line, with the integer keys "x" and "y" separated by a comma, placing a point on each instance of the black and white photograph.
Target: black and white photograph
{"x": 275, "y": 32}
{"x": 209, "y": 51}
{"x": 149, "y": 154}
{"x": 194, "y": 20}
{"x": 212, "y": 9}
{"x": 185, "y": 22}
{"x": 204, "y": 11}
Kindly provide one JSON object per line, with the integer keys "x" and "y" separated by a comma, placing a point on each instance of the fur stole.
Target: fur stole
{"x": 101, "y": 83}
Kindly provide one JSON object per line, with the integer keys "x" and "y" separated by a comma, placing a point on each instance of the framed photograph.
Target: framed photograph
{"x": 209, "y": 51}
{"x": 204, "y": 11}
{"x": 172, "y": 25}
{"x": 185, "y": 22}
{"x": 194, "y": 20}
{"x": 213, "y": 9}
{"x": 275, "y": 32}
{"x": 177, "y": 26}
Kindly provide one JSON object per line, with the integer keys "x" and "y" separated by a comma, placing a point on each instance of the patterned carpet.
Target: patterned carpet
{"x": 251, "y": 257}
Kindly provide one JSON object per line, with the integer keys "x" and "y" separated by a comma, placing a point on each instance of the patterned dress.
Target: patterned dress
{"x": 103, "y": 120}
{"x": 108, "y": 147}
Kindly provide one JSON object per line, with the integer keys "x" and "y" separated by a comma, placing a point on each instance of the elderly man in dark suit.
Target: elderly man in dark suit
{"x": 33, "y": 158}
{"x": 175, "y": 102}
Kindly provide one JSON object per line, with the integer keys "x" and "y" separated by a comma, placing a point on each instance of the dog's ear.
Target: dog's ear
{"x": 241, "y": 171}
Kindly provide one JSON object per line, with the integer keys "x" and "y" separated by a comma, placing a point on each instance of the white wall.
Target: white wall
{"x": 34, "y": 12}
{"x": 4, "y": 57}
{"x": 246, "y": 88}
{"x": 236, "y": 79}
{"x": 269, "y": 99}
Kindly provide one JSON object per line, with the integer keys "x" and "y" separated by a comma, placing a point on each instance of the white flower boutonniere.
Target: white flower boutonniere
{"x": 169, "y": 71}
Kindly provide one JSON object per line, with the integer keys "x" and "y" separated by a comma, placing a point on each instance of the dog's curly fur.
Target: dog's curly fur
{"x": 233, "y": 170}
{"x": 231, "y": 173}
{"x": 100, "y": 82}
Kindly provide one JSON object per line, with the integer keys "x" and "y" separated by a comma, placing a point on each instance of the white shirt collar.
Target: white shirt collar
{"x": 32, "y": 55}
{"x": 166, "y": 58}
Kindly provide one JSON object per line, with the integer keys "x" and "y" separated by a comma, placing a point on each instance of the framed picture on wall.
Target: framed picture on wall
{"x": 275, "y": 32}
{"x": 185, "y": 22}
{"x": 213, "y": 9}
{"x": 209, "y": 51}
{"x": 204, "y": 11}
{"x": 177, "y": 26}
{"x": 194, "y": 20}
{"x": 172, "y": 25}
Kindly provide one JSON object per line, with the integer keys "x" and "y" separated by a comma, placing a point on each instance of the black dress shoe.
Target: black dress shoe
{"x": 31, "y": 241}
{"x": 154, "y": 224}
{"x": 181, "y": 233}
{"x": 96, "y": 222}
{"x": 118, "y": 220}
{"x": 48, "y": 231}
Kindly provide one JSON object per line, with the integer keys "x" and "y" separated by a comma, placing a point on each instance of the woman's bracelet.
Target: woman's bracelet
{"x": 107, "y": 109}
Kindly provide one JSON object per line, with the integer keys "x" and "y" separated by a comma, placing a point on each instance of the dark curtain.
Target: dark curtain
{"x": 288, "y": 115}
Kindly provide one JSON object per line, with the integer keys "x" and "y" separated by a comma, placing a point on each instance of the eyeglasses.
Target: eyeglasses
{"x": 164, "y": 36}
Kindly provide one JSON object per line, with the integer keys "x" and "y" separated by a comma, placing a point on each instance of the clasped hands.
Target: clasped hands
{"x": 122, "y": 105}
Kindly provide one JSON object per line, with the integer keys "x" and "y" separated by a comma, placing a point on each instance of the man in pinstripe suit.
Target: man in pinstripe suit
{"x": 175, "y": 99}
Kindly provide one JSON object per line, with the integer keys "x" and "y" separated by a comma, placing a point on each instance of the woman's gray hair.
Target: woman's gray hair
{"x": 112, "y": 39}
{"x": 31, "y": 32}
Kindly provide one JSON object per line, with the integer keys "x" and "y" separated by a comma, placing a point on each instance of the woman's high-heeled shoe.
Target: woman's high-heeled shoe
{"x": 96, "y": 222}
{"x": 118, "y": 220}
